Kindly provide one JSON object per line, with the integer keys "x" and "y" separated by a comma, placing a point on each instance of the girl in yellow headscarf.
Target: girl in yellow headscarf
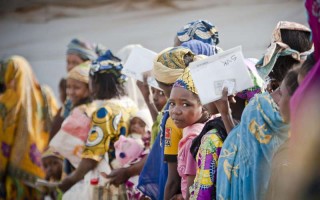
{"x": 25, "y": 115}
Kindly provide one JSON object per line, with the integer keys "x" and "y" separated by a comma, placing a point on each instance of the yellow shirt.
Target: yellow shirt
{"x": 173, "y": 135}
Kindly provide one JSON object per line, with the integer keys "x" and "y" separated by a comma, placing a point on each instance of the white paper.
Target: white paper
{"x": 224, "y": 69}
{"x": 139, "y": 61}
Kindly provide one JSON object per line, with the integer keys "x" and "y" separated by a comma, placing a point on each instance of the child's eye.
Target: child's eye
{"x": 185, "y": 105}
{"x": 171, "y": 104}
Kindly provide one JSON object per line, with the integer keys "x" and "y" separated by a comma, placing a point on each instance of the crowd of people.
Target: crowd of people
{"x": 259, "y": 143}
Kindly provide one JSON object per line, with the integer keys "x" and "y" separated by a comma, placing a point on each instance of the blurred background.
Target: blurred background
{"x": 41, "y": 29}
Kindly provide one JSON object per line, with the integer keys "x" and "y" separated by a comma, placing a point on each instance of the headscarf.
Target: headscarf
{"x": 26, "y": 112}
{"x": 278, "y": 48}
{"x": 145, "y": 116}
{"x": 80, "y": 72}
{"x": 50, "y": 152}
{"x": 185, "y": 81}
{"x": 201, "y": 30}
{"x": 199, "y": 48}
{"x": 84, "y": 49}
{"x": 110, "y": 67}
{"x": 169, "y": 64}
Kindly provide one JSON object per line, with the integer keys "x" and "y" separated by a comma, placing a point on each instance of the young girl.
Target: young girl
{"x": 188, "y": 114}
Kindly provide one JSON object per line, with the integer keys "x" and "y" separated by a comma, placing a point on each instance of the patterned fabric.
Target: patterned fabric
{"x": 80, "y": 72}
{"x": 84, "y": 49}
{"x": 185, "y": 81}
{"x": 204, "y": 186}
{"x": 199, "y": 48}
{"x": 278, "y": 48}
{"x": 170, "y": 61}
{"x": 110, "y": 67}
{"x": 246, "y": 155}
{"x": 108, "y": 123}
{"x": 201, "y": 30}
{"x": 25, "y": 110}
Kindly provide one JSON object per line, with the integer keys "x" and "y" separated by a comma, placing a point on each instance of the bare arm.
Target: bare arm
{"x": 173, "y": 181}
{"x": 145, "y": 91}
{"x": 190, "y": 180}
{"x": 119, "y": 176}
{"x": 225, "y": 111}
{"x": 84, "y": 167}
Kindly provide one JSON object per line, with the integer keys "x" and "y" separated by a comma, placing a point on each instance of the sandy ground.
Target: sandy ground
{"x": 42, "y": 35}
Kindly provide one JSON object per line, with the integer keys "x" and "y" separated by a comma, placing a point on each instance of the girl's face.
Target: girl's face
{"x": 284, "y": 102}
{"x": 72, "y": 61}
{"x": 52, "y": 167}
{"x": 184, "y": 107}
{"x": 159, "y": 99}
{"x": 166, "y": 88}
{"x": 77, "y": 90}
{"x": 137, "y": 126}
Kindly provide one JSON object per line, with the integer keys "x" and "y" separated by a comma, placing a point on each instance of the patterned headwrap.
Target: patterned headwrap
{"x": 109, "y": 67}
{"x": 50, "y": 152}
{"x": 85, "y": 50}
{"x": 169, "y": 64}
{"x": 80, "y": 72}
{"x": 199, "y": 48}
{"x": 201, "y": 30}
{"x": 278, "y": 48}
{"x": 185, "y": 81}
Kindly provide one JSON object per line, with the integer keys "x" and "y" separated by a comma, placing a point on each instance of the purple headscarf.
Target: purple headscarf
{"x": 199, "y": 48}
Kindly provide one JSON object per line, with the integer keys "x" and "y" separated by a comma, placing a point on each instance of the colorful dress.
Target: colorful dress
{"x": 204, "y": 186}
{"x": 245, "y": 160}
{"x": 25, "y": 115}
{"x": 109, "y": 122}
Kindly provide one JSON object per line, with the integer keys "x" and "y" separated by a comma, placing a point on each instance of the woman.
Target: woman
{"x": 26, "y": 112}
{"x": 109, "y": 121}
{"x": 206, "y": 148}
{"x": 244, "y": 164}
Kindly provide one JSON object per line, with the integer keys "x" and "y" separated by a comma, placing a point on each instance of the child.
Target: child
{"x": 52, "y": 163}
{"x": 128, "y": 152}
{"x": 188, "y": 114}
{"x": 140, "y": 126}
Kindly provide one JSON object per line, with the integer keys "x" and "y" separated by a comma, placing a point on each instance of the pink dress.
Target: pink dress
{"x": 187, "y": 165}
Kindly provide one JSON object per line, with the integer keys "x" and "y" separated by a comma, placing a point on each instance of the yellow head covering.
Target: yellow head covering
{"x": 80, "y": 72}
{"x": 169, "y": 64}
{"x": 50, "y": 152}
{"x": 185, "y": 81}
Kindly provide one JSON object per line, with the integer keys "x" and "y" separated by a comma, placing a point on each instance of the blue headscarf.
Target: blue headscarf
{"x": 201, "y": 30}
{"x": 153, "y": 177}
{"x": 199, "y": 48}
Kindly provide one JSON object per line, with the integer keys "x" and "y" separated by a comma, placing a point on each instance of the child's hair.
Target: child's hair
{"x": 107, "y": 86}
{"x": 297, "y": 40}
{"x": 291, "y": 81}
{"x": 307, "y": 65}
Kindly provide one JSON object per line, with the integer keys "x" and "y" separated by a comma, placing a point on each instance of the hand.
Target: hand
{"x": 222, "y": 104}
{"x": 117, "y": 176}
{"x": 144, "y": 89}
